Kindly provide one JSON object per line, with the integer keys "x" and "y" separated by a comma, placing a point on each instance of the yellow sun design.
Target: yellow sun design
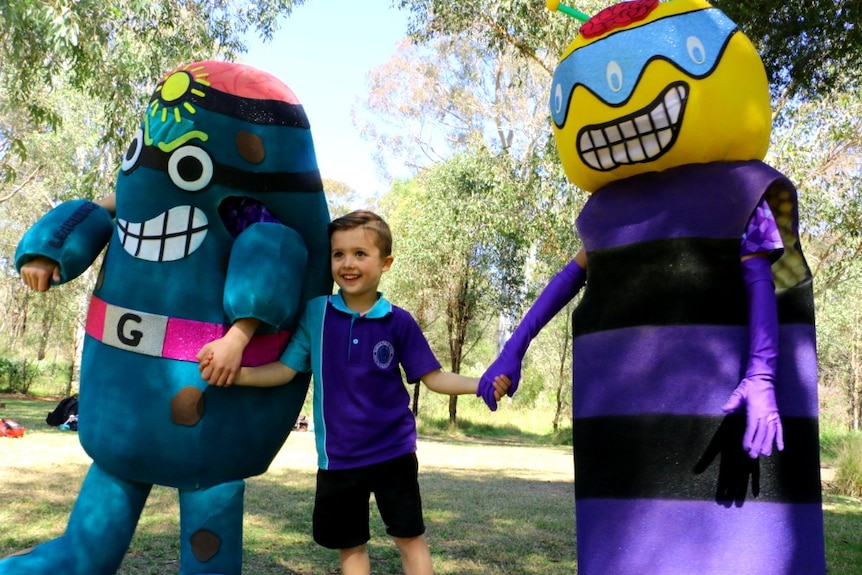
{"x": 174, "y": 87}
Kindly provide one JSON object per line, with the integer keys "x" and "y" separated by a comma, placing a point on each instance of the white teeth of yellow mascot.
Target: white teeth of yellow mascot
{"x": 695, "y": 371}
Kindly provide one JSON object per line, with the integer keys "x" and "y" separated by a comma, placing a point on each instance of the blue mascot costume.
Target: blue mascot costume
{"x": 220, "y": 215}
{"x": 694, "y": 343}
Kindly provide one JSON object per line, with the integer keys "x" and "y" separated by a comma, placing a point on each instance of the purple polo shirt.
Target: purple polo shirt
{"x": 361, "y": 407}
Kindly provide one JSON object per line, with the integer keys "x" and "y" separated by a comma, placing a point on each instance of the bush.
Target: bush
{"x": 17, "y": 375}
{"x": 848, "y": 473}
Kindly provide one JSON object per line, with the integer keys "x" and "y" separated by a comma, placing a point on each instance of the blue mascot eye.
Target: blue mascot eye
{"x": 190, "y": 168}
{"x": 130, "y": 159}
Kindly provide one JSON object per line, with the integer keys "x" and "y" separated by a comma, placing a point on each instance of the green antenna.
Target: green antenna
{"x": 554, "y": 6}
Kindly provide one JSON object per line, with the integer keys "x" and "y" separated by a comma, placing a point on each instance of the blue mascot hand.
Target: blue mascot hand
{"x": 508, "y": 365}
{"x": 763, "y": 424}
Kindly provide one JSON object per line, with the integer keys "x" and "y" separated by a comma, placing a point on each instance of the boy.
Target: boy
{"x": 365, "y": 431}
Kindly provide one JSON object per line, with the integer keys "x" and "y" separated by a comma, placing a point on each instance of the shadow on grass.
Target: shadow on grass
{"x": 477, "y": 524}
{"x": 470, "y": 431}
{"x": 479, "y": 521}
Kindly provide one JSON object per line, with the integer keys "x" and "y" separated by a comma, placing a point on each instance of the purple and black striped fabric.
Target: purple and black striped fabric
{"x": 661, "y": 340}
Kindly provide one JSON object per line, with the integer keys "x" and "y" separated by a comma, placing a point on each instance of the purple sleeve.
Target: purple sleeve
{"x": 240, "y": 212}
{"x": 414, "y": 352}
{"x": 761, "y": 234}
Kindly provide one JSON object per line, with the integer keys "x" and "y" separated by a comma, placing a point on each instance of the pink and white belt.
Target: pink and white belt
{"x": 171, "y": 337}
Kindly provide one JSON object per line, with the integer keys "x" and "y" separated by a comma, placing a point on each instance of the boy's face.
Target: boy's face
{"x": 357, "y": 264}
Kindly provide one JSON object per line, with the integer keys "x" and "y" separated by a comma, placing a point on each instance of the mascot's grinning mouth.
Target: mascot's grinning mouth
{"x": 639, "y": 137}
{"x": 170, "y": 236}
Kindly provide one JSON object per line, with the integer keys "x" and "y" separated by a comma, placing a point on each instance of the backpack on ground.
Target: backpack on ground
{"x": 67, "y": 407}
{"x": 9, "y": 428}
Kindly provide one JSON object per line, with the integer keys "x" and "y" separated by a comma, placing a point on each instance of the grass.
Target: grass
{"x": 493, "y": 505}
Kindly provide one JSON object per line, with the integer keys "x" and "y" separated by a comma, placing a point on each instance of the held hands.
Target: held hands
{"x": 763, "y": 425}
{"x": 508, "y": 366}
{"x": 219, "y": 361}
{"x": 39, "y": 272}
{"x": 559, "y": 291}
{"x": 501, "y": 385}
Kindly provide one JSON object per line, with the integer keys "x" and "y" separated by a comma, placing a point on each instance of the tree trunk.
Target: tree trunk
{"x": 416, "y": 399}
{"x": 855, "y": 392}
{"x": 453, "y": 410}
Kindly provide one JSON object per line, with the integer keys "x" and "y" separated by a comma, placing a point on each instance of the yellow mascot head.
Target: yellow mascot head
{"x": 649, "y": 85}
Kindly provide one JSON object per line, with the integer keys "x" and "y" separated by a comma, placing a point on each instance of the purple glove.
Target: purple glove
{"x": 757, "y": 389}
{"x": 559, "y": 291}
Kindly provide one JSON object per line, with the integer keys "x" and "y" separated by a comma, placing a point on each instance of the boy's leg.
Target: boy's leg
{"x": 415, "y": 555}
{"x": 355, "y": 561}
{"x": 340, "y": 518}
{"x": 396, "y": 489}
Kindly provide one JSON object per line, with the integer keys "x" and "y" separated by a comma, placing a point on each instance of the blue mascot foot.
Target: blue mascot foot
{"x": 100, "y": 529}
{"x": 45, "y": 559}
{"x": 211, "y": 529}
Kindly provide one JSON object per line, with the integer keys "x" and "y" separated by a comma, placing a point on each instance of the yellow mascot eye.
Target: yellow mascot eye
{"x": 695, "y": 50}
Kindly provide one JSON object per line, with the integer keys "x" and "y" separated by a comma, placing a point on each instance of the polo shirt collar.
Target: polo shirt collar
{"x": 380, "y": 309}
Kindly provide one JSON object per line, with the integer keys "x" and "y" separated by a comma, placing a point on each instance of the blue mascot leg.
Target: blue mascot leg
{"x": 211, "y": 530}
{"x": 100, "y": 529}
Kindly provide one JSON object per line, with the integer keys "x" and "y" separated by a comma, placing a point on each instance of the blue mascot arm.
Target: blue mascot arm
{"x": 265, "y": 274}
{"x": 73, "y": 234}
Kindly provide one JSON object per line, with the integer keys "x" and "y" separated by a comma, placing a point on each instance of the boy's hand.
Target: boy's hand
{"x": 205, "y": 358}
{"x": 501, "y": 386}
{"x": 220, "y": 361}
{"x": 493, "y": 390}
{"x": 38, "y": 273}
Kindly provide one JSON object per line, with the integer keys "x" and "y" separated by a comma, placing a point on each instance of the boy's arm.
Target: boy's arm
{"x": 268, "y": 375}
{"x": 449, "y": 383}
{"x": 220, "y": 359}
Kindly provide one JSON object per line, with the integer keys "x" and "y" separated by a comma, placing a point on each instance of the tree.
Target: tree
{"x": 432, "y": 100}
{"x": 111, "y": 51}
{"x": 818, "y": 145}
{"x": 808, "y": 46}
{"x": 73, "y": 78}
{"x": 340, "y": 197}
{"x": 458, "y": 246}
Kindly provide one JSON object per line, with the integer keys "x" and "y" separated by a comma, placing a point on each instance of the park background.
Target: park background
{"x": 433, "y": 113}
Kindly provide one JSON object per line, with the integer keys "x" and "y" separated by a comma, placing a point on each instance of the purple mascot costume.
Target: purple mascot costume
{"x": 695, "y": 368}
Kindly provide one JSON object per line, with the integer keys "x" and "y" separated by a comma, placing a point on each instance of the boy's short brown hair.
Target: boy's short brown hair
{"x": 369, "y": 221}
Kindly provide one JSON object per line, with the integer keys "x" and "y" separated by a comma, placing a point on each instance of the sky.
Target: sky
{"x": 324, "y": 51}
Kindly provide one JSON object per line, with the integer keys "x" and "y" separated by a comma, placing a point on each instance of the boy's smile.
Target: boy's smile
{"x": 357, "y": 266}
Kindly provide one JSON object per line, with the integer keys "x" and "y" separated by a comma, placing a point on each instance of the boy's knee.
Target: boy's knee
{"x": 406, "y": 544}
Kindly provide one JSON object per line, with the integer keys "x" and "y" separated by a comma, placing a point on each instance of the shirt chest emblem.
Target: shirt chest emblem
{"x": 384, "y": 354}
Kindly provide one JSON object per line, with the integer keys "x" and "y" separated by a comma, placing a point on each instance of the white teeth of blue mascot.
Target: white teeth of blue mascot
{"x": 220, "y": 216}
{"x": 694, "y": 352}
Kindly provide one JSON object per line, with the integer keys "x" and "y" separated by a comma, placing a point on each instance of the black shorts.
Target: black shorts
{"x": 341, "y": 504}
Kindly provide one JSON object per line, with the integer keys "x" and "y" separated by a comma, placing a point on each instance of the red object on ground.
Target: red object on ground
{"x": 9, "y": 428}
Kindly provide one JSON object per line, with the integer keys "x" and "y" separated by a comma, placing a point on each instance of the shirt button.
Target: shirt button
{"x": 355, "y": 341}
